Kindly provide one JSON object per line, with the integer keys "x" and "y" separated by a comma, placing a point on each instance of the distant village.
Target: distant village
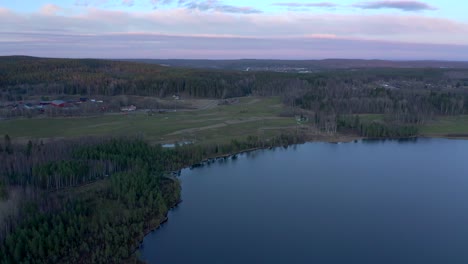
{"x": 85, "y": 106}
{"x": 44, "y": 106}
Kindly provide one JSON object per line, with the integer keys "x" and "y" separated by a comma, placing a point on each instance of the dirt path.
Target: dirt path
{"x": 196, "y": 129}
{"x": 202, "y": 104}
{"x": 210, "y": 105}
{"x": 223, "y": 124}
{"x": 250, "y": 119}
{"x": 253, "y": 101}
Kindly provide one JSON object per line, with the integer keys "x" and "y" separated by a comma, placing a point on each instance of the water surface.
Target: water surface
{"x": 364, "y": 202}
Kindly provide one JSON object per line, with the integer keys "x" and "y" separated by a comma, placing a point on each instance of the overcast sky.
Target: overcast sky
{"x": 228, "y": 29}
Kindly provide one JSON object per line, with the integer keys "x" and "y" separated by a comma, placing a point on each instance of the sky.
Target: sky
{"x": 228, "y": 29}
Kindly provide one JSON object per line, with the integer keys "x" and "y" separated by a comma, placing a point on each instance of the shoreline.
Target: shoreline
{"x": 325, "y": 139}
{"x": 133, "y": 255}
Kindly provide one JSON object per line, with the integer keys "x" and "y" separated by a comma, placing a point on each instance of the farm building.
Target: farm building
{"x": 130, "y": 108}
{"x": 58, "y": 103}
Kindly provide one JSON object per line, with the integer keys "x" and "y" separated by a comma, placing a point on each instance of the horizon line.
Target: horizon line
{"x": 240, "y": 59}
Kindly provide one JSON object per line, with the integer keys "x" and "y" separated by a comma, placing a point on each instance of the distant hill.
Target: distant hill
{"x": 410, "y": 92}
{"x": 301, "y": 65}
{"x": 23, "y": 77}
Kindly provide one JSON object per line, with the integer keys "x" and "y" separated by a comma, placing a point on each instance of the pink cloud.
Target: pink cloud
{"x": 134, "y": 45}
{"x": 90, "y": 2}
{"x": 85, "y": 33}
{"x": 4, "y": 10}
{"x": 384, "y": 27}
{"x": 321, "y": 36}
{"x": 50, "y": 9}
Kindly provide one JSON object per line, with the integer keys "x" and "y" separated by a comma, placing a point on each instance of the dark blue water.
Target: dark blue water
{"x": 366, "y": 202}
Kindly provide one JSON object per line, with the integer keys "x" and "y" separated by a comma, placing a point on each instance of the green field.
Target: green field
{"x": 447, "y": 126}
{"x": 251, "y": 116}
{"x": 442, "y": 126}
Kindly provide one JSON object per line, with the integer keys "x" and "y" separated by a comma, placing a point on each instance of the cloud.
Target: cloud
{"x": 50, "y": 9}
{"x": 128, "y": 2}
{"x": 297, "y": 4}
{"x": 322, "y": 36}
{"x": 156, "y": 33}
{"x": 215, "y": 5}
{"x": 401, "y": 5}
{"x": 139, "y": 45}
{"x": 99, "y": 20}
{"x": 405, "y": 28}
{"x": 163, "y": 2}
{"x": 207, "y": 6}
{"x": 88, "y": 3}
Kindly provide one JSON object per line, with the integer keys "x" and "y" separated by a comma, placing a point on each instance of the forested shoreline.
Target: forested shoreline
{"x": 132, "y": 190}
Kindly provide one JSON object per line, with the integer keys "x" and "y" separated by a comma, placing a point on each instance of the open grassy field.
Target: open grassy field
{"x": 251, "y": 116}
{"x": 442, "y": 126}
{"x": 446, "y": 126}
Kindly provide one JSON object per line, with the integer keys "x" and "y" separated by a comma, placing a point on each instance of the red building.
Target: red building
{"x": 58, "y": 103}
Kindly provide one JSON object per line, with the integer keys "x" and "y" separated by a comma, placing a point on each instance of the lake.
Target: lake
{"x": 363, "y": 202}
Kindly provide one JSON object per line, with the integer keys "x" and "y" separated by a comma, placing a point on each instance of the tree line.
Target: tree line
{"x": 24, "y": 77}
{"x": 71, "y": 216}
{"x": 405, "y": 96}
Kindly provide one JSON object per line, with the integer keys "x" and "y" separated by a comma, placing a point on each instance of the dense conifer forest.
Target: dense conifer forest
{"x": 92, "y": 200}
